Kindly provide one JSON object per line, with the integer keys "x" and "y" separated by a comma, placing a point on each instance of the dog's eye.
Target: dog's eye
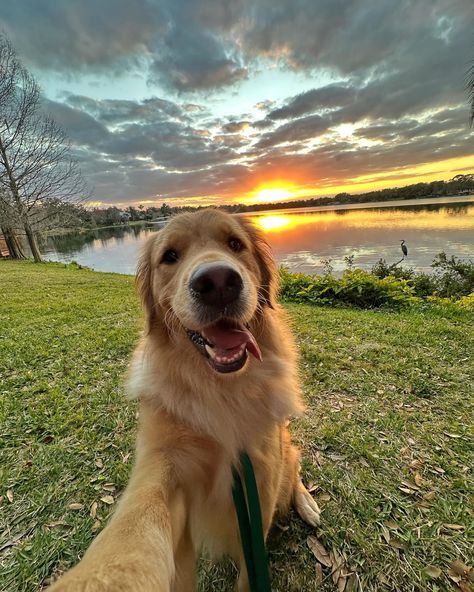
{"x": 235, "y": 244}
{"x": 169, "y": 256}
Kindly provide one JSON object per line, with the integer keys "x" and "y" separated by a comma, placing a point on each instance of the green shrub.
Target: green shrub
{"x": 452, "y": 277}
{"x": 356, "y": 287}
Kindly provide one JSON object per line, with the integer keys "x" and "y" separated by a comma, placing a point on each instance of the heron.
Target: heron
{"x": 404, "y": 248}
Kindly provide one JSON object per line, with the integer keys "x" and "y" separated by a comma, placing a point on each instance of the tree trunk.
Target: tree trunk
{"x": 13, "y": 244}
{"x": 32, "y": 242}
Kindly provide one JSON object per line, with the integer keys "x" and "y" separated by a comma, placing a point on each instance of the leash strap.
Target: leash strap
{"x": 249, "y": 516}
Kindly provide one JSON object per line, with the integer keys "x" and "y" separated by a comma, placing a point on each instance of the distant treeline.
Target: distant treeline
{"x": 79, "y": 216}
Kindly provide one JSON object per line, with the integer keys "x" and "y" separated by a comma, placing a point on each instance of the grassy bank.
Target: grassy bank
{"x": 385, "y": 438}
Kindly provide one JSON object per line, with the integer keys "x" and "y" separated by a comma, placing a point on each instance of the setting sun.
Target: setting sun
{"x": 271, "y": 194}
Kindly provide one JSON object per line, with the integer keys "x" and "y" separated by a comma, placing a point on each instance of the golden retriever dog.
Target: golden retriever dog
{"x": 215, "y": 374}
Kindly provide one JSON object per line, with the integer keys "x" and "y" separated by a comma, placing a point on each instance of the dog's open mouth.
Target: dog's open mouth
{"x": 225, "y": 345}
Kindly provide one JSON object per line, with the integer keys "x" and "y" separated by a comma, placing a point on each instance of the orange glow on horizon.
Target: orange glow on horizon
{"x": 283, "y": 190}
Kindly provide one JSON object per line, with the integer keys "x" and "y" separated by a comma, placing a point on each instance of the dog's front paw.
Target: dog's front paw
{"x": 306, "y": 506}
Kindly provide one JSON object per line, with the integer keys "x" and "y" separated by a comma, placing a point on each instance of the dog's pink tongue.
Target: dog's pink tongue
{"x": 228, "y": 336}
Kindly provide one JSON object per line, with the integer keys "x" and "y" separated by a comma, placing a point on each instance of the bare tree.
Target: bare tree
{"x": 35, "y": 156}
{"x": 8, "y": 72}
{"x": 9, "y": 227}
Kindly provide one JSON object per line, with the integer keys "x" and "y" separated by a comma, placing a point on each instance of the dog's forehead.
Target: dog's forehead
{"x": 200, "y": 226}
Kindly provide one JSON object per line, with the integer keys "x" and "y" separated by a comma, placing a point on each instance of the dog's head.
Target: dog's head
{"x": 208, "y": 276}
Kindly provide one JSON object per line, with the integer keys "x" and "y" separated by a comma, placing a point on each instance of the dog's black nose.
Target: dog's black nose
{"x": 216, "y": 284}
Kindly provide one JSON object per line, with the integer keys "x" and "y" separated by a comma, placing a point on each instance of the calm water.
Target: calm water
{"x": 301, "y": 239}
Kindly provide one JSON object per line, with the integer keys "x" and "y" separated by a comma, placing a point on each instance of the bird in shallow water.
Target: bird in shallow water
{"x": 404, "y": 248}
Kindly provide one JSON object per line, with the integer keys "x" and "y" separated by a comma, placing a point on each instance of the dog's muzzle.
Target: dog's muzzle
{"x": 217, "y": 289}
{"x": 225, "y": 345}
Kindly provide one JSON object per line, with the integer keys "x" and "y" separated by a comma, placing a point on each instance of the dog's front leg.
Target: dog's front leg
{"x": 135, "y": 552}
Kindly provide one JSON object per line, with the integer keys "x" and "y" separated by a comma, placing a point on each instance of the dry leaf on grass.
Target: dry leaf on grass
{"x": 319, "y": 574}
{"x": 338, "y": 573}
{"x": 459, "y": 568}
{"x": 352, "y": 583}
{"x": 396, "y": 543}
{"x": 386, "y": 534}
{"x": 99, "y": 464}
{"x": 75, "y": 506}
{"x": 391, "y": 524}
{"x": 93, "y": 510}
{"x": 452, "y": 435}
{"x": 108, "y": 487}
{"x": 432, "y": 571}
{"x": 454, "y": 526}
{"x": 107, "y": 499}
{"x": 10, "y": 495}
{"x": 13, "y": 541}
{"x": 410, "y": 485}
{"x": 96, "y": 525}
{"x": 319, "y": 551}
{"x": 418, "y": 479}
{"x": 428, "y": 496}
{"x": 57, "y": 523}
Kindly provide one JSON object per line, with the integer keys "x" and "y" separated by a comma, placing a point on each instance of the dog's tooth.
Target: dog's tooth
{"x": 210, "y": 351}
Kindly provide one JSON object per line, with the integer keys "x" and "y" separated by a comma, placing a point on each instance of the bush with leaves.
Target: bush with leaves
{"x": 452, "y": 277}
{"x": 355, "y": 288}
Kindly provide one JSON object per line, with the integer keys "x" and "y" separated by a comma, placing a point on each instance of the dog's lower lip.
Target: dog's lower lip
{"x": 225, "y": 356}
{"x": 220, "y": 359}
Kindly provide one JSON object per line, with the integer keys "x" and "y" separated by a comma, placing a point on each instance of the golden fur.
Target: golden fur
{"x": 194, "y": 420}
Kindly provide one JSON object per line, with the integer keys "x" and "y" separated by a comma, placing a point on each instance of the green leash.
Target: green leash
{"x": 249, "y": 517}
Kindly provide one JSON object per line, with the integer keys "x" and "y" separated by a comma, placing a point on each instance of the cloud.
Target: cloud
{"x": 111, "y": 111}
{"x": 81, "y": 128}
{"x": 74, "y": 37}
{"x": 327, "y": 97}
{"x": 295, "y": 131}
{"x": 190, "y": 59}
{"x": 394, "y": 71}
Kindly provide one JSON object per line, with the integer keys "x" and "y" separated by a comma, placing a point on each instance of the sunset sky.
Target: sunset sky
{"x": 214, "y": 101}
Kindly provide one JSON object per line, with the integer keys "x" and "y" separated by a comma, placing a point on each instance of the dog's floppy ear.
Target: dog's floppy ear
{"x": 268, "y": 291}
{"x": 144, "y": 283}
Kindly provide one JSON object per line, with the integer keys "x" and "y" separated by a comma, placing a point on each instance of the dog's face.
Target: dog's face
{"x": 207, "y": 275}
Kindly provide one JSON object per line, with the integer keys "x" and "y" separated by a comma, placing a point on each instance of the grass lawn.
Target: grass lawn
{"x": 386, "y": 440}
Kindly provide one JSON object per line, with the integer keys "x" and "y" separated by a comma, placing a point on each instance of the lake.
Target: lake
{"x": 302, "y": 239}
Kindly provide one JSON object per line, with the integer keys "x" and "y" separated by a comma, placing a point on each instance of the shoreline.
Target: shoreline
{"x": 370, "y": 205}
